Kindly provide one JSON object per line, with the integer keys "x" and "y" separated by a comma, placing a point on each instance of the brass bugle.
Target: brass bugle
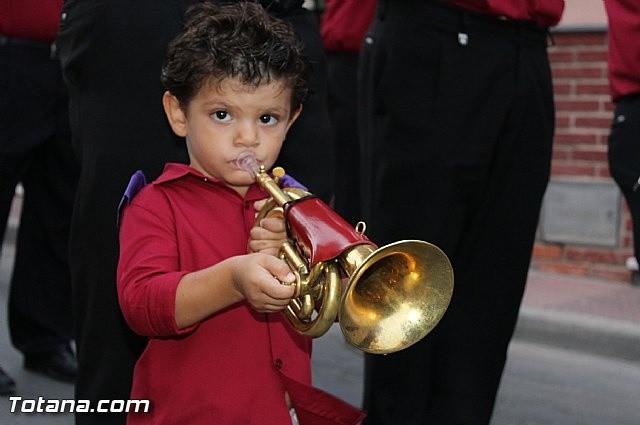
{"x": 393, "y": 295}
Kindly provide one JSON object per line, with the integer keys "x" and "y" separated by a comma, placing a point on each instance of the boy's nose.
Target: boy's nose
{"x": 247, "y": 135}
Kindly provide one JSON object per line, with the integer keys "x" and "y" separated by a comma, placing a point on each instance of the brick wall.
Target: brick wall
{"x": 583, "y": 118}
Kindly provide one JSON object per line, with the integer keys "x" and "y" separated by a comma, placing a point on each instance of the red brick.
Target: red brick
{"x": 543, "y": 250}
{"x": 592, "y": 54}
{"x": 570, "y": 138}
{"x": 604, "y": 171}
{"x": 560, "y": 153}
{"x": 593, "y": 122}
{"x": 579, "y": 38}
{"x": 592, "y": 255}
{"x": 565, "y": 169}
{"x": 562, "y": 71}
{"x": 628, "y": 223}
{"x": 577, "y": 105}
{"x": 602, "y": 138}
{"x": 564, "y": 268}
{"x": 589, "y": 154}
{"x": 556, "y": 56}
{"x": 562, "y": 119}
{"x": 600, "y": 88}
{"x": 562, "y": 88}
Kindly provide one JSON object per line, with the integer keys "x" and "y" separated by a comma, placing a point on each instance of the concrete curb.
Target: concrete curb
{"x": 579, "y": 332}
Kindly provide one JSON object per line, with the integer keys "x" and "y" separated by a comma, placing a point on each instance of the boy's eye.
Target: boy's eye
{"x": 221, "y": 115}
{"x": 268, "y": 119}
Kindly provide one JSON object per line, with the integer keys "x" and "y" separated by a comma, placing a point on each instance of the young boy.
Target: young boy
{"x": 220, "y": 351}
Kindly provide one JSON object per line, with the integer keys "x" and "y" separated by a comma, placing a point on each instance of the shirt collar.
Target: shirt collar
{"x": 175, "y": 171}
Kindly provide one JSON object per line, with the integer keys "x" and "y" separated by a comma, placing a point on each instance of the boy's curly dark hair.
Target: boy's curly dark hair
{"x": 240, "y": 41}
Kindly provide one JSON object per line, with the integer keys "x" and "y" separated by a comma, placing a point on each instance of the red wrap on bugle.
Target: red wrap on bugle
{"x": 320, "y": 232}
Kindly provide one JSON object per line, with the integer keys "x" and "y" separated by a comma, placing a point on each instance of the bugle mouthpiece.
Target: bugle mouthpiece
{"x": 248, "y": 162}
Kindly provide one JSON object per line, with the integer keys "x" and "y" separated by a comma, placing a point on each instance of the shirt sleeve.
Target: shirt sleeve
{"x": 148, "y": 271}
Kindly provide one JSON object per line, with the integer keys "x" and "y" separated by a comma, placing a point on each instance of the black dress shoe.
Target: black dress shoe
{"x": 7, "y": 385}
{"x": 58, "y": 363}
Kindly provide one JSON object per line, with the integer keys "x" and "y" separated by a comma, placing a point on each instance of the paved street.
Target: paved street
{"x": 547, "y": 381}
{"x": 30, "y": 385}
{"x": 542, "y": 385}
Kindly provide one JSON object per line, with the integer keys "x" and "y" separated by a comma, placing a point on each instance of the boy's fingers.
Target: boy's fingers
{"x": 261, "y": 234}
{"x": 273, "y": 224}
{"x": 286, "y": 294}
{"x": 264, "y": 248}
{"x": 258, "y": 205}
{"x": 273, "y": 307}
{"x": 283, "y": 277}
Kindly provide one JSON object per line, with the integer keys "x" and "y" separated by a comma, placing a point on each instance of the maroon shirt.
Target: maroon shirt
{"x": 545, "y": 13}
{"x": 36, "y": 20}
{"x": 233, "y": 367}
{"x": 624, "y": 47}
{"x": 344, "y": 24}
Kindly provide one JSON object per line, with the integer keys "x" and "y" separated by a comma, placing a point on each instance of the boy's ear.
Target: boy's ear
{"x": 294, "y": 116}
{"x": 176, "y": 116}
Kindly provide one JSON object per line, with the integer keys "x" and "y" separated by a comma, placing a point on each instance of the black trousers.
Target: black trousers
{"x": 111, "y": 52}
{"x": 35, "y": 150}
{"x": 343, "y": 109}
{"x": 624, "y": 158}
{"x": 457, "y": 137}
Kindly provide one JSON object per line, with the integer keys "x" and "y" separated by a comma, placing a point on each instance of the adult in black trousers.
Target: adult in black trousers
{"x": 35, "y": 150}
{"x": 457, "y": 137}
{"x": 343, "y": 27}
{"x": 112, "y": 53}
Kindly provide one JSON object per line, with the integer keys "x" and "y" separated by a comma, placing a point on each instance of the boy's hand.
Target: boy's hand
{"x": 258, "y": 278}
{"x": 267, "y": 236}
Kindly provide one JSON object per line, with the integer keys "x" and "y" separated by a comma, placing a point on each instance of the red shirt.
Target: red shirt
{"x": 345, "y": 23}
{"x": 36, "y": 20}
{"x": 624, "y": 47}
{"x": 545, "y": 13}
{"x": 233, "y": 367}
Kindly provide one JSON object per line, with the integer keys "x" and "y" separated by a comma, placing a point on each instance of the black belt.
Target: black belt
{"x": 23, "y": 42}
{"x": 450, "y": 15}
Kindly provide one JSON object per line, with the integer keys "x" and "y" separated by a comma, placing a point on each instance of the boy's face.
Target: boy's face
{"x": 229, "y": 118}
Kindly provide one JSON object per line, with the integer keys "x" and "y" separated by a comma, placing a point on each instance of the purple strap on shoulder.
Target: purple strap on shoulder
{"x": 288, "y": 181}
{"x": 137, "y": 182}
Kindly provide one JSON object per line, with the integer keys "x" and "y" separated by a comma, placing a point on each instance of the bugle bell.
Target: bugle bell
{"x": 394, "y": 295}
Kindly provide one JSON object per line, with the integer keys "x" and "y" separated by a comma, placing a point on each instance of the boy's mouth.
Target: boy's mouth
{"x": 248, "y": 162}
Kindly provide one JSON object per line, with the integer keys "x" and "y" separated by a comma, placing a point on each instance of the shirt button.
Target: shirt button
{"x": 278, "y": 363}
